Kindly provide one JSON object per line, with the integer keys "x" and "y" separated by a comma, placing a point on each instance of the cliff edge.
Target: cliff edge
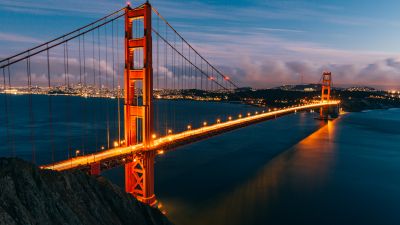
{"x": 29, "y": 195}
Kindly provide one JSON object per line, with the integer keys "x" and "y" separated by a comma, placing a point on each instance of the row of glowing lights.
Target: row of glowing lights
{"x": 394, "y": 92}
{"x": 189, "y": 127}
{"x": 170, "y": 136}
{"x": 218, "y": 121}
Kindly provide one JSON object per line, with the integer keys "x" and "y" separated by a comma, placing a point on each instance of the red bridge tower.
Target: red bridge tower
{"x": 138, "y": 117}
{"x": 325, "y": 93}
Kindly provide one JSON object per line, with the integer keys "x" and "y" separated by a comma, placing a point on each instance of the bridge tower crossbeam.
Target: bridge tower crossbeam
{"x": 138, "y": 113}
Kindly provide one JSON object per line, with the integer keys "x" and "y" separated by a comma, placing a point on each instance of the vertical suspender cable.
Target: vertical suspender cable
{"x": 11, "y": 115}
{"x": 158, "y": 103}
{"x": 93, "y": 61}
{"x": 99, "y": 59}
{"x": 6, "y": 111}
{"x": 85, "y": 87}
{"x": 67, "y": 52}
{"x": 67, "y": 111}
{"x": 113, "y": 75}
{"x": 80, "y": 63}
{"x": 118, "y": 91}
{"x": 81, "y": 92}
{"x": 50, "y": 109}
{"x": 107, "y": 89}
{"x": 31, "y": 117}
{"x": 65, "y": 69}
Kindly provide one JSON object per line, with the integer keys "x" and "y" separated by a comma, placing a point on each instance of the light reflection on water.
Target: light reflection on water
{"x": 242, "y": 204}
{"x": 346, "y": 172}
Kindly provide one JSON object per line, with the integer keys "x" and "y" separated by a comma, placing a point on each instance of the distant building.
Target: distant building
{"x": 309, "y": 89}
{"x": 361, "y": 89}
{"x": 300, "y": 87}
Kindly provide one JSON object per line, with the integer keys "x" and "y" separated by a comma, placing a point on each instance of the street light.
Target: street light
{"x": 160, "y": 152}
{"x": 77, "y": 152}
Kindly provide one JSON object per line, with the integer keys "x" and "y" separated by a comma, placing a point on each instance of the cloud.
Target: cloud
{"x": 10, "y": 37}
{"x": 252, "y": 54}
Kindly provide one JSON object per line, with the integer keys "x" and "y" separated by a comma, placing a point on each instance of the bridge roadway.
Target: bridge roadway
{"x": 120, "y": 155}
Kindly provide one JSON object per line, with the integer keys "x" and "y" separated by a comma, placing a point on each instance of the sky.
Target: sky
{"x": 258, "y": 43}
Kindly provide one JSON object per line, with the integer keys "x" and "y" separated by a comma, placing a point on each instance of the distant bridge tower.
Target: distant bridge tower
{"x": 325, "y": 93}
{"x": 138, "y": 113}
{"x": 326, "y": 86}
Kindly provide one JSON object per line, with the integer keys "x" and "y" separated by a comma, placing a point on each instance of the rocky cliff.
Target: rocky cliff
{"x": 29, "y": 195}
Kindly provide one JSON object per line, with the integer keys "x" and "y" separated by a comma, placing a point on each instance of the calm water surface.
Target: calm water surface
{"x": 347, "y": 172}
{"x": 291, "y": 170}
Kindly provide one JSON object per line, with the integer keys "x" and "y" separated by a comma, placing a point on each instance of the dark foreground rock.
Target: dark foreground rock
{"x": 29, "y": 195}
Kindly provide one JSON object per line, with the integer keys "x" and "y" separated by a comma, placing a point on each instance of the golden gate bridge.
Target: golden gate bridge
{"x": 156, "y": 62}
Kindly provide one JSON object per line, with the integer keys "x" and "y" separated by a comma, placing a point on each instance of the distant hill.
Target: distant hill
{"x": 300, "y": 87}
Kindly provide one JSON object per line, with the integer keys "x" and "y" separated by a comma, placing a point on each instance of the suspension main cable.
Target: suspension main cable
{"x": 61, "y": 42}
{"x": 186, "y": 59}
{"x": 63, "y": 36}
{"x": 184, "y": 40}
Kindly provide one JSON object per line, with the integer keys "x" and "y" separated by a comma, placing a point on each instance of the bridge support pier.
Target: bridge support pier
{"x": 139, "y": 177}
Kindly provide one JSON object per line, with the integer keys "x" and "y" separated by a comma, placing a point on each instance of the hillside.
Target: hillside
{"x": 29, "y": 195}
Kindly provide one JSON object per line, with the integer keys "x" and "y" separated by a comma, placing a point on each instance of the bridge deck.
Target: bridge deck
{"x": 117, "y": 156}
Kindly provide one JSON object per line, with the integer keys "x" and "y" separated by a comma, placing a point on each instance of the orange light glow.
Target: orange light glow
{"x": 184, "y": 136}
{"x": 154, "y": 136}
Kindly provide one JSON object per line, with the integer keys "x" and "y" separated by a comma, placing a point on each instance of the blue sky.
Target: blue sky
{"x": 260, "y": 43}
